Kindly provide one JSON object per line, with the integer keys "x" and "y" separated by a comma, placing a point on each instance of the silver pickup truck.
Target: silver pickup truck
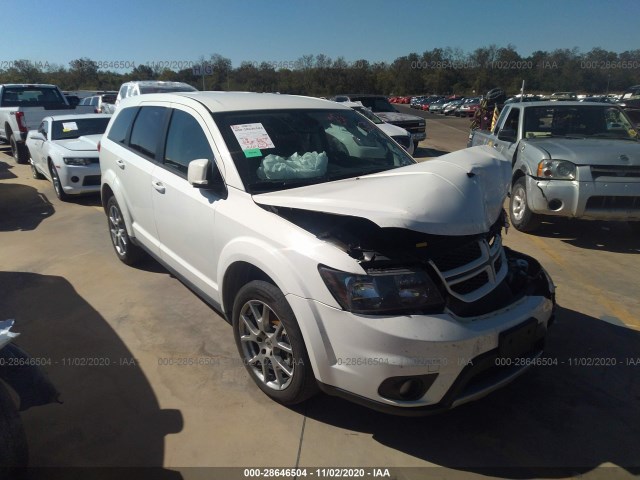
{"x": 22, "y": 108}
{"x": 569, "y": 159}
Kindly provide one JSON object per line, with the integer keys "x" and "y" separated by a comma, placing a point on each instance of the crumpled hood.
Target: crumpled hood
{"x": 460, "y": 193}
{"x": 590, "y": 151}
{"x": 84, "y": 143}
{"x": 392, "y": 117}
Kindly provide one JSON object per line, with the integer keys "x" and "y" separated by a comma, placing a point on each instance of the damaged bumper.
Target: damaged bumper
{"x": 591, "y": 200}
{"x": 420, "y": 364}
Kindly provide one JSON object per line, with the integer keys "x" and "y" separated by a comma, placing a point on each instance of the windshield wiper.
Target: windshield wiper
{"x": 273, "y": 185}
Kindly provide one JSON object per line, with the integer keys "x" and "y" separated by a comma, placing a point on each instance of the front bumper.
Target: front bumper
{"x": 592, "y": 200}
{"x": 80, "y": 179}
{"x": 354, "y": 355}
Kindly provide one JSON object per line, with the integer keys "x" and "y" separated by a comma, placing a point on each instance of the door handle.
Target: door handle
{"x": 159, "y": 186}
{"x": 120, "y": 163}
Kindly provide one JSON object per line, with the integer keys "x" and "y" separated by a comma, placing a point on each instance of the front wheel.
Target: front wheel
{"x": 57, "y": 184}
{"x": 270, "y": 343}
{"x": 521, "y": 215}
{"x": 125, "y": 249}
{"x": 35, "y": 173}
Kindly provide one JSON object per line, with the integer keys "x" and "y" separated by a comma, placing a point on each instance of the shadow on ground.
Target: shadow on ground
{"x": 22, "y": 207}
{"x": 552, "y": 422}
{"x": 5, "y": 171}
{"x": 110, "y": 416}
{"x": 592, "y": 235}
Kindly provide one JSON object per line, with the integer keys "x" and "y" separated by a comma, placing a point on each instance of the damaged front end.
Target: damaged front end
{"x": 410, "y": 272}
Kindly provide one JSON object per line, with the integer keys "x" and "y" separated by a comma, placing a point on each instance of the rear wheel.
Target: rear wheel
{"x": 270, "y": 343}
{"x": 125, "y": 249}
{"x": 521, "y": 215}
{"x": 18, "y": 150}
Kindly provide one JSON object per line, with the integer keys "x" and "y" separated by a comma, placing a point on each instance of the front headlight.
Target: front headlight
{"x": 383, "y": 292}
{"x": 557, "y": 170}
{"x": 77, "y": 161}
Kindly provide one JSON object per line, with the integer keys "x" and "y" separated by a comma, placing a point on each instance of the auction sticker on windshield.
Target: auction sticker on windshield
{"x": 69, "y": 126}
{"x": 252, "y": 136}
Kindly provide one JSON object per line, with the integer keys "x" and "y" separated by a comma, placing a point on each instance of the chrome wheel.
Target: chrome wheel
{"x": 519, "y": 202}
{"x": 57, "y": 184}
{"x": 265, "y": 345}
{"x": 126, "y": 249}
{"x": 118, "y": 231}
{"x": 522, "y": 218}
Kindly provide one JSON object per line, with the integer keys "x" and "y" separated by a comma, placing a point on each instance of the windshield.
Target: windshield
{"x": 578, "y": 121}
{"x": 32, "y": 96}
{"x": 376, "y": 104}
{"x": 63, "y": 129}
{"x": 369, "y": 114}
{"x": 279, "y": 149}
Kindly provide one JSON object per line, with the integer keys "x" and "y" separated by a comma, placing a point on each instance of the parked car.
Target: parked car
{"x": 139, "y": 87}
{"x": 379, "y": 104}
{"x": 400, "y": 135}
{"x": 564, "y": 96}
{"x": 451, "y": 107}
{"x": 100, "y": 103}
{"x": 436, "y": 107}
{"x": 570, "y": 159}
{"x": 468, "y": 108}
{"x": 354, "y": 270}
{"x": 64, "y": 150}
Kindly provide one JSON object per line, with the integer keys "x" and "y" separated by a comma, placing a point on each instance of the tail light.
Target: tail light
{"x": 22, "y": 126}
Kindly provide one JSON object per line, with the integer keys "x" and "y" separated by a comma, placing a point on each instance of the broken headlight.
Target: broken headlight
{"x": 384, "y": 291}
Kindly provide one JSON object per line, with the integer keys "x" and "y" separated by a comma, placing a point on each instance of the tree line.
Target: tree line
{"x": 436, "y": 71}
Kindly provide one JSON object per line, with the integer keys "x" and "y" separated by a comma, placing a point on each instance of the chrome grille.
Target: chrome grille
{"x": 471, "y": 271}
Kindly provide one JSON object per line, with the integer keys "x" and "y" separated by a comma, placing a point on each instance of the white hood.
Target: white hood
{"x": 84, "y": 143}
{"x": 460, "y": 193}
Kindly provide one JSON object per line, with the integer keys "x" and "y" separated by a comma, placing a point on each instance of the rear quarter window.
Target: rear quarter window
{"x": 121, "y": 124}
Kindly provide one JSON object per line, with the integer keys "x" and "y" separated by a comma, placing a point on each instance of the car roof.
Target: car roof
{"x": 155, "y": 83}
{"x": 237, "y": 101}
{"x": 80, "y": 116}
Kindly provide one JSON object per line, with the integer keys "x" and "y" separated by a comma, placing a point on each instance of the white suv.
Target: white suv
{"x": 340, "y": 262}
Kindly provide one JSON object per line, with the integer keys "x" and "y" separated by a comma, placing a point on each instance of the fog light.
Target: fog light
{"x": 555, "y": 204}
{"x": 406, "y": 388}
{"x": 75, "y": 179}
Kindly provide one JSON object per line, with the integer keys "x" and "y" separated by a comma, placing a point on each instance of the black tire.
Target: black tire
{"x": 18, "y": 150}
{"x": 34, "y": 171}
{"x": 14, "y": 452}
{"x": 127, "y": 251}
{"x": 57, "y": 184}
{"x": 415, "y": 145}
{"x": 284, "y": 374}
{"x": 522, "y": 218}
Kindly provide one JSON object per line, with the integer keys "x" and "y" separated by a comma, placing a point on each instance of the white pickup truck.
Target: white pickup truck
{"x": 22, "y": 108}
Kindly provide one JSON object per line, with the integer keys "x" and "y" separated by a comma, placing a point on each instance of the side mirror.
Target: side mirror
{"x": 507, "y": 135}
{"x": 37, "y": 136}
{"x": 197, "y": 173}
